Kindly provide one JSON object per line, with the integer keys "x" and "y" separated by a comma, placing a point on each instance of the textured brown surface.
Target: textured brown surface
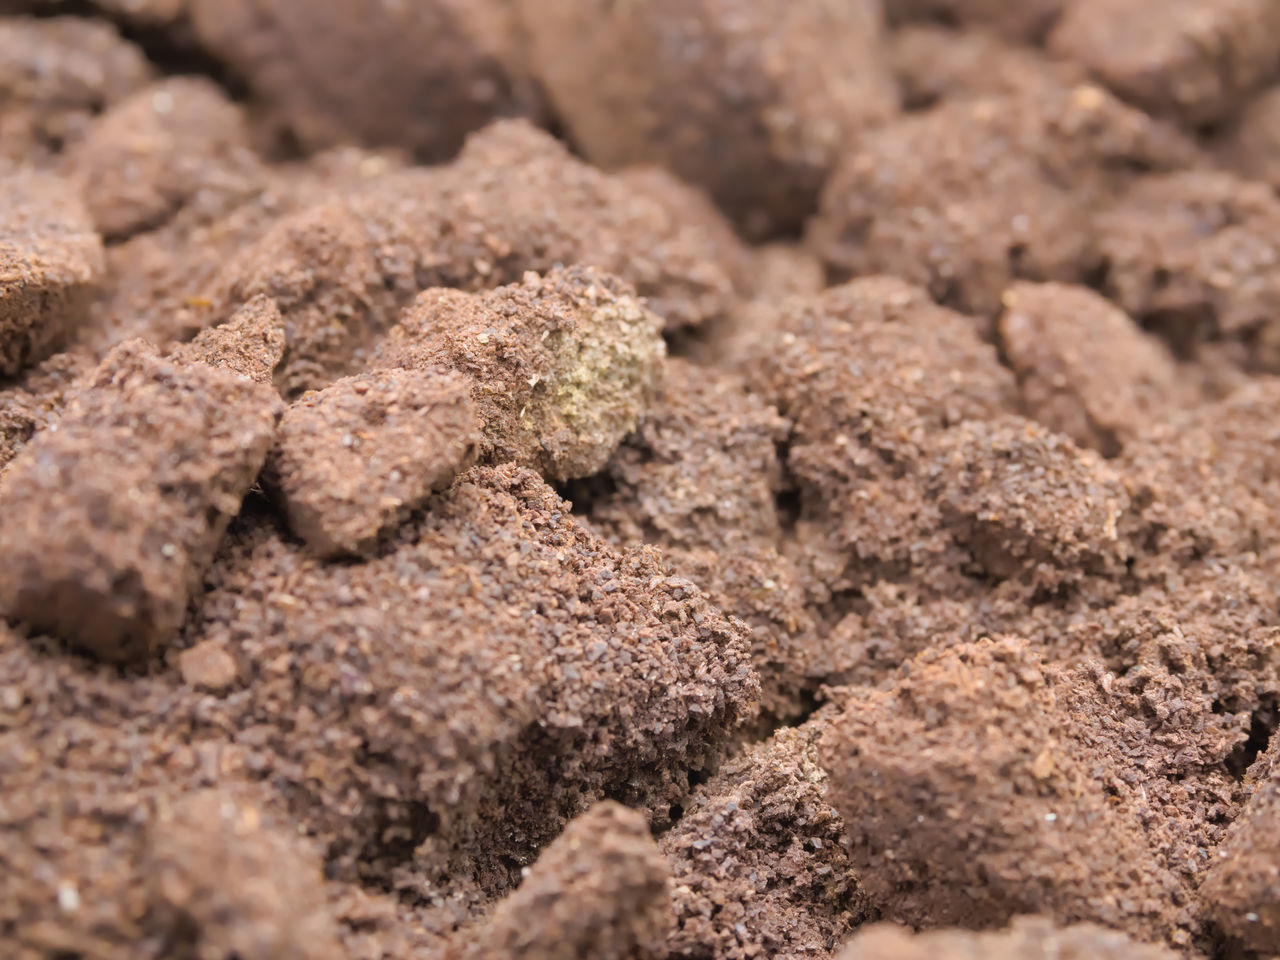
{"x": 1084, "y": 368}
{"x": 483, "y": 678}
{"x": 420, "y": 75}
{"x": 1191, "y": 255}
{"x": 758, "y": 860}
{"x": 697, "y": 663}
{"x": 175, "y": 142}
{"x": 601, "y": 890}
{"x": 561, "y": 366}
{"x": 1190, "y": 59}
{"x": 116, "y": 515}
{"x": 50, "y": 265}
{"x": 56, "y": 75}
{"x": 1025, "y": 20}
{"x": 1029, "y": 938}
{"x": 514, "y": 201}
{"x": 972, "y": 793}
{"x": 354, "y": 458}
{"x": 974, "y": 194}
{"x": 784, "y": 86}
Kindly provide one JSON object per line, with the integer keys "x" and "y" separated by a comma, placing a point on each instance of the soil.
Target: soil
{"x": 670, "y": 481}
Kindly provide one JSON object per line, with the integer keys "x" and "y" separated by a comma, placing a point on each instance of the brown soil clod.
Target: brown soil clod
{"x": 51, "y": 263}
{"x": 117, "y": 513}
{"x": 356, "y": 457}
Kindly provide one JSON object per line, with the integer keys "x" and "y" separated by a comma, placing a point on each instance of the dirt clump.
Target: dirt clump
{"x": 175, "y": 142}
{"x": 56, "y": 75}
{"x": 354, "y": 458}
{"x": 562, "y": 365}
{"x": 1193, "y": 60}
{"x": 117, "y": 513}
{"x": 1064, "y": 344}
{"x": 420, "y": 76}
{"x": 1028, "y": 938}
{"x": 51, "y": 263}
{"x": 794, "y": 84}
{"x": 441, "y": 746}
{"x": 971, "y": 795}
{"x": 758, "y": 862}
{"x": 250, "y": 344}
{"x": 934, "y": 63}
{"x": 1189, "y": 254}
{"x": 223, "y": 882}
{"x": 601, "y": 889}
{"x": 967, "y": 197}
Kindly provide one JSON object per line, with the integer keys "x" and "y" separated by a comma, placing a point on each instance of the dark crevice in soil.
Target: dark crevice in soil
{"x": 170, "y": 48}
{"x": 1266, "y": 719}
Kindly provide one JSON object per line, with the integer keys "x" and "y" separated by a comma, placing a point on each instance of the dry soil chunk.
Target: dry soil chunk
{"x": 971, "y": 793}
{"x": 112, "y": 519}
{"x": 977, "y": 193}
{"x": 420, "y": 75}
{"x": 563, "y": 366}
{"x": 783, "y": 87}
{"x": 475, "y": 684}
{"x": 1027, "y": 501}
{"x": 935, "y": 63}
{"x": 758, "y": 862}
{"x": 1029, "y": 938}
{"x": 1205, "y": 483}
{"x": 56, "y": 75}
{"x": 699, "y": 478}
{"x": 222, "y": 882}
{"x": 250, "y": 344}
{"x": 51, "y": 262}
{"x": 600, "y": 890}
{"x": 172, "y": 143}
{"x": 514, "y": 201}
{"x": 1084, "y": 367}
{"x": 1194, "y": 60}
{"x": 1252, "y": 146}
{"x": 1192, "y": 255}
{"x": 1241, "y": 893}
{"x": 1025, "y": 20}
{"x": 355, "y": 457}
{"x": 869, "y": 373}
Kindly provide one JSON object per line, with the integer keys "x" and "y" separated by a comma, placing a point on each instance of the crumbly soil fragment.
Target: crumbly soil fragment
{"x": 51, "y": 263}
{"x": 222, "y": 882}
{"x": 1028, "y": 938}
{"x": 354, "y": 458}
{"x": 970, "y": 796}
{"x": 116, "y": 515}
{"x": 1251, "y": 148}
{"x": 175, "y": 142}
{"x": 934, "y": 63}
{"x": 600, "y": 890}
{"x": 1027, "y": 20}
{"x": 1193, "y": 60}
{"x": 562, "y": 366}
{"x": 56, "y": 75}
{"x": 250, "y": 344}
{"x": 514, "y": 201}
{"x": 699, "y": 478}
{"x": 1241, "y": 894}
{"x": 758, "y": 860}
{"x": 786, "y": 86}
{"x": 1084, "y": 367}
{"x": 978, "y": 192}
{"x": 1191, "y": 255}
{"x": 466, "y": 691}
{"x": 420, "y": 75}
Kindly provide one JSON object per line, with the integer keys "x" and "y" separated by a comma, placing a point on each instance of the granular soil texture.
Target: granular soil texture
{"x": 669, "y": 481}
